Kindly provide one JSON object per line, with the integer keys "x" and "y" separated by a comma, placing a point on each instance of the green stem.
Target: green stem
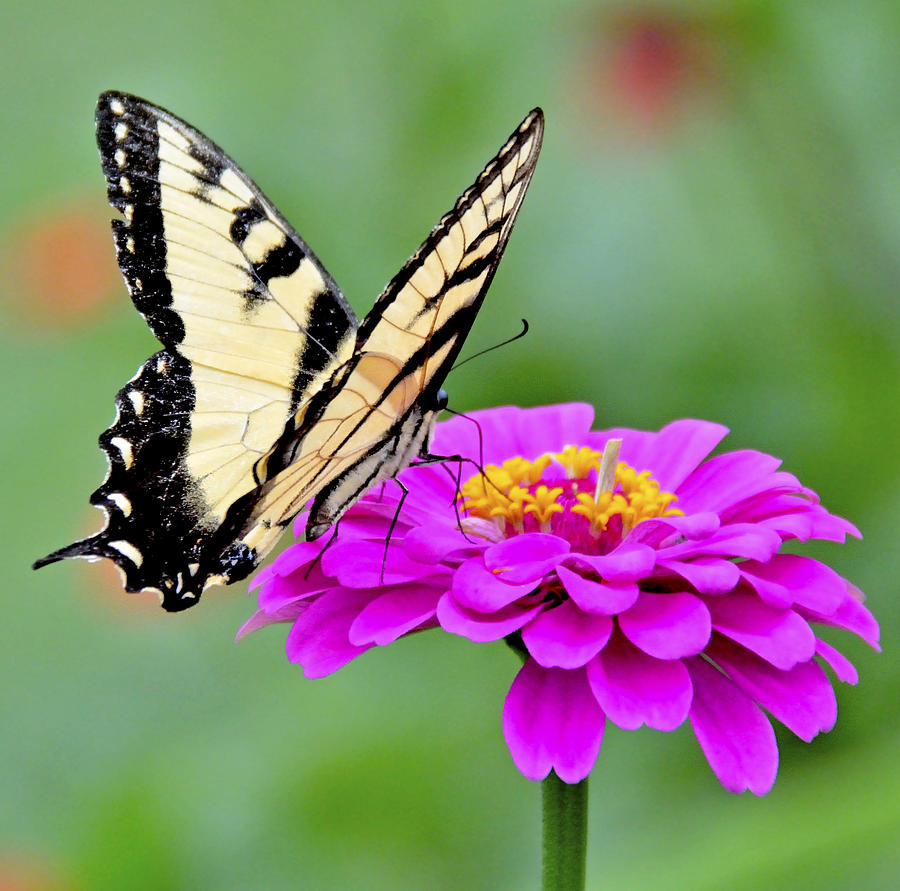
{"x": 565, "y": 833}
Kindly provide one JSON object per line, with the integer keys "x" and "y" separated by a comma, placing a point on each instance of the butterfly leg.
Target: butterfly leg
{"x": 394, "y": 519}
{"x": 318, "y": 558}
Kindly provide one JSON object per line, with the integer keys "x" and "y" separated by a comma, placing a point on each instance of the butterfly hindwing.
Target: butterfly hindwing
{"x": 267, "y": 394}
{"x": 252, "y": 325}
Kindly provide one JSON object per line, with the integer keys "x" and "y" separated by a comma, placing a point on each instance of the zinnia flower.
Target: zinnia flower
{"x": 644, "y": 588}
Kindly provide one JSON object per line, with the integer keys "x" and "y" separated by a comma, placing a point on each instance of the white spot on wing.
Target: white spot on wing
{"x": 125, "y": 185}
{"x": 121, "y": 131}
{"x": 137, "y": 400}
{"x": 120, "y": 157}
{"x": 124, "y": 447}
{"x": 121, "y": 501}
{"x": 127, "y": 549}
{"x": 117, "y": 107}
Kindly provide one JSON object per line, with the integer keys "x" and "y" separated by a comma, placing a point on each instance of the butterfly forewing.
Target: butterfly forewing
{"x": 378, "y": 416}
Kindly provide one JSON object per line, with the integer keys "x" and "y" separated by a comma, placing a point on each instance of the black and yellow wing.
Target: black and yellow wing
{"x": 265, "y": 395}
{"x": 378, "y": 412}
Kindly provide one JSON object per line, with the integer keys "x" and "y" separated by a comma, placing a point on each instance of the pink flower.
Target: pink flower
{"x": 644, "y": 588}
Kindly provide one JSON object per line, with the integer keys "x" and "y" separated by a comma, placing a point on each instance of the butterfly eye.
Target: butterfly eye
{"x": 441, "y": 400}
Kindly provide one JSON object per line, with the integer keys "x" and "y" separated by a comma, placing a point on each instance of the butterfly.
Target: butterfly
{"x": 268, "y": 392}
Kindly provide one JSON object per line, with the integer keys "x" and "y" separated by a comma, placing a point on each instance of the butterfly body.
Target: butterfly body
{"x": 268, "y": 393}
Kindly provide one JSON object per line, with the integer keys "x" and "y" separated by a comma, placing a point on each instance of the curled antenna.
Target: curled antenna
{"x": 496, "y": 346}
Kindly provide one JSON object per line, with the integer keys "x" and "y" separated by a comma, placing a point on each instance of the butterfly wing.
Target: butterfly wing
{"x": 252, "y": 326}
{"x": 377, "y": 413}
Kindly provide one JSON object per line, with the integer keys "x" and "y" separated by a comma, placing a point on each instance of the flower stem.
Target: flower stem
{"x": 565, "y": 833}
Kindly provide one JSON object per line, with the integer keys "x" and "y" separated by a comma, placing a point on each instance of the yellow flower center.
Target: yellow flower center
{"x": 570, "y": 493}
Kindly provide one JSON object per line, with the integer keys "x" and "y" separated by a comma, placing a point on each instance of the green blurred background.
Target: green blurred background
{"x": 713, "y": 231}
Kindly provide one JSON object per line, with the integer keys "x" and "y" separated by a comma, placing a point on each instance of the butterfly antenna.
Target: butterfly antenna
{"x": 496, "y": 346}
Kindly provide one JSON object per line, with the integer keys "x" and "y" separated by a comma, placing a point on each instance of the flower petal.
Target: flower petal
{"x": 319, "y": 639}
{"x": 483, "y": 627}
{"x": 634, "y": 688}
{"x": 434, "y": 543}
{"x": 526, "y": 558}
{"x": 367, "y": 564}
{"x": 788, "y": 579}
{"x": 839, "y": 663}
{"x": 734, "y": 540}
{"x": 667, "y": 626}
{"x": 261, "y": 618}
{"x": 279, "y": 591}
{"x": 735, "y": 736}
{"x": 394, "y": 614}
{"x": 500, "y": 433}
{"x": 796, "y": 515}
{"x": 551, "y": 721}
{"x": 479, "y": 589}
{"x": 566, "y": 637}
{"x": 801, "y": 698}
{"x": 296, "y": 556}
{"x": 627, "y": 563}
{"x": 709, "y": 575}
{"x": 851, "y": 615}
{"x": 730, "y": 478}
{"x": 597, "y": 597}
{"x": 781, "y": 637}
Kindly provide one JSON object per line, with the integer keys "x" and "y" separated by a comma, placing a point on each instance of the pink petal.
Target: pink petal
{"x": 566, "y": 637}
{"x": 483, "y": 627}
{"x": 319, "y": 639}
{"x": 597, "y": 597}
{"x": 261, "y": 618}
{"x": 627, "y": 563}
{"x": 709, "y": 575}
{"x": 394, "y": 614}
{"x": 434, "y": 543}
{"x": 493, "y": 435}
{"x": 526, "y": 558}
{"x": 551, "y": 721}
{"x": 667, "y": 626}
{"x": 735, "y": 736}
{"x": 366, "y": 564}
{"x": 780, "y": 636}
{"x": 730, "y": 478}
{"x": 839, "y": 663}
{"x": 654, "y": 533}
{"x": 634, "y": 688}
{"x": 796, "y": 515}
{"x": 279, "y": 591}
{"x": 479, "y": 589}
{"x": 787, "y": 579}
{"x": 801, "y": 698}
{"x": 297, "y": 555}
{"x": 735, "y": 540}
{"x": 851, "y": 615}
